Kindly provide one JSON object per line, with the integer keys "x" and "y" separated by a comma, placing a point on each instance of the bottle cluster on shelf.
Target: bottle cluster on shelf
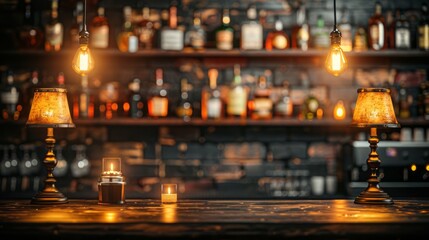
{"x": 153, "y": 28}
{"x": 255, "y": 97}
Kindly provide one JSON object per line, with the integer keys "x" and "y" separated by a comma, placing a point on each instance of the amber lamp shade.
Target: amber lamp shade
{"x": 374, "y": 110}
{"x": 50, "y": 110}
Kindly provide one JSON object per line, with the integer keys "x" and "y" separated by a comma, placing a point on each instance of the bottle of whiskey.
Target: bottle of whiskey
{"x": 123, "y": 39}
{"x": 301, "y": 31}
{"x": 77, "y": 25}
{"x": 377, "y": 29}
{"x": 172, "y": 37}
{"x": 146, "y": 30}
{"x": 284, "y": 106}
{"x": 195, "y": 37}
{"x": 402, "y": 32}
{"x": 320, "y": 34}
{"x": 360, "y": 40}
{"x": 158, "y": 99}
{"x": 277, "y": 39}
{"x": 212, "y": 105}
{"x": 100, "y": 30}
{"x": 184, "y": 107}
{"x": 311, "y": 105}
{"x": 390, "y": 30}
{"x": 404, "y": 102}
{"x": 54, "y": 30}
{"x": 346, "y": 31}
{"x": 263, "y": 104}
{"x": 30, "y": 35}
{"x": 135, "y": 99}
{"x": 225, "y": 33}
{"x": 423, "y": 34}
{"x": 252, "y": 37}
{"x": 237, "y": 96}
{"x": 9, "y": 98}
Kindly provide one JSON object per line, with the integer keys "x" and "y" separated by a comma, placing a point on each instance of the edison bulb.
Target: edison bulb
{"x": 336, "y": 61}
{"x": 83, "y": 62}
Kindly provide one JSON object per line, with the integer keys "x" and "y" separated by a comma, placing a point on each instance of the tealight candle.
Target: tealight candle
{"x": 111, "y": 185}
{"x": 169, "y": 193}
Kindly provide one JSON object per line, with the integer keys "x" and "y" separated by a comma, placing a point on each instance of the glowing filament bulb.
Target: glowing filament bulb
{"x": 83, "y": 62}
{"x": 336, "y": 62}
{"x": 339, "y": 111}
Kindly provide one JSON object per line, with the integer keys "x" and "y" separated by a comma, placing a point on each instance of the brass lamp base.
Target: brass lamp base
{"x": 49, "y": 198}
{"x": 380, "y": 198}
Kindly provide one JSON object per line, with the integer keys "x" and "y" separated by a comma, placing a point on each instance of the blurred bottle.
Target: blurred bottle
{"x": 212, "y": 105}
{"x": 320, "y": 34}
{"x": 390, "y": 25}
{"x": 77, "y": 25}
{"x": 184, "y": 108}
{"x": 252, "y": 37}
{"x": 360, "y": 40}
{"x": 284, "y": 106}
{"x": 30, "y": 34}
{"x": 377, "y": 29}
{"x": 54, "y": 30}
{"x": 237, "y": 96}
{"x": 135, "y": 99}
{"x": 172, "y": 37}
{"x": 80, "y": 167}
{"x": 123, "y": 38}
{"x": 158, "y": 97}
{"x": 404, "y": 102}
{"x": 9, "y": 98}
{"x": 225, "y": 33}
{"x": 263, "y": 104}
{"x": 277, "y": 39}
{"x": 146, "y": 30}
{"x": 423, "y": 34}
{"x": 402, "y": 31}
{"x": 345, "y": 28}
{"x": 310, "y": 108}
{"x": 301, "y": 31}
{"x": 195, "y": 37}
{"x": 62, "y": 165}
{"x": 99, "y": 28}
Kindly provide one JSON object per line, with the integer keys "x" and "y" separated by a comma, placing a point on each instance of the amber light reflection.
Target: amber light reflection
{"x": 110, "y": 217}
{"x": 360, "y": 214}
{"x": 169, "y": 213}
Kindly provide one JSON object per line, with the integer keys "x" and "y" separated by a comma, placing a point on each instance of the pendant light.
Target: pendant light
{"x": 336, "y": 62}
{"x": 83, "y": 62}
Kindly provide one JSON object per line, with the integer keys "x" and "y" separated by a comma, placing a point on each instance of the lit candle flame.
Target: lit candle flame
{"x": 169, "y": 190}
{"x": 111, "y": 167}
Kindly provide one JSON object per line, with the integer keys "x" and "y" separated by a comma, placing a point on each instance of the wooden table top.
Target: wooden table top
{"x": 214, "y": 219}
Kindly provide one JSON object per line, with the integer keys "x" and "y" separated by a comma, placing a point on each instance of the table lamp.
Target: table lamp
{"x": 374, "y": 109}
{"x": 50, "y": 110}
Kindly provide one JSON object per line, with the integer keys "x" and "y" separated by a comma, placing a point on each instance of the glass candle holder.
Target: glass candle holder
{"x": 111, "y": 185}
{"x": 169, "y": 193}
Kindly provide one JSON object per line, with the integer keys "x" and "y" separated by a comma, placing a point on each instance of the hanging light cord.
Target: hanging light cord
{"x": 84, "y": 16}
{"x": 335, "y": 15}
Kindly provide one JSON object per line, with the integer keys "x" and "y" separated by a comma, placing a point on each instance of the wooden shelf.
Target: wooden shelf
{"x": 275, "y": 122}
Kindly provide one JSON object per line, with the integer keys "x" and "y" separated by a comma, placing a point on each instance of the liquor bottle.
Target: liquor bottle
{"x": 346, "y": 31}
{"x": 277, "y": 39}
{"x": 404, "y": 102}
{"x": 172, "y": 37}
{"x": 311, "y": 105}
{"x": 146, "y": 30}
{"x": 77, "y": 25}
{"x": 195, "y": 37}
{"x": 237, "y": 96}
{"x": 212, "y": 105}
{"x": 263, "y": 104}
{"x": 377, "y": 29}
{"x": 84, "y": 99}
{"x": 99, "y": 30}
{"x": 184, "y": 108}
{"x": 320, "y": 34}
{"x": 390, "y": 29}
{"x": 252, "y": 36}
{"x": 225, "y": 33}
{"x": 135, "y": 98}
{"x": 423, "y": 34}
{"x": 123, "y": 39}
{"x": 284, "y": 106}
{"x": 360, "y": 40}
{"x": 158, "y": 99}
{"x": 301, "y": 31}
{"x": 9, "y": 98}
{"x": 54, "y": 30}
{"x": 30, "y": 35}
{"x": 402, "y": 32}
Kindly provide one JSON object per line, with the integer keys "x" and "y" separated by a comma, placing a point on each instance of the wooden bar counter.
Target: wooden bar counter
{"x": 215, "y": 219}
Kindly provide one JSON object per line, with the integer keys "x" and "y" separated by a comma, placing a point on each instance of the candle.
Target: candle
{"x": 169, "y": 193}
{"x": 111, "y": 185}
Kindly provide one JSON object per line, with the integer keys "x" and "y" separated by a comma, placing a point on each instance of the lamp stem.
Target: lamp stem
{"x": 50, "y": 194}
{"x": 373, "y": 194}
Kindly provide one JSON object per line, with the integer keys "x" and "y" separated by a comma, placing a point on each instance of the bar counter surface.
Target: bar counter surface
{"x": 215, "y": 219}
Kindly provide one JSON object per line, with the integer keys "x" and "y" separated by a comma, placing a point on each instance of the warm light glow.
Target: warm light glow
{"x": 339, "y": 111}
{"x": 169, "y": 193}
{"x": 112, "y": 166}
{"x": 413, "y": 167}
{"x": 336, "y": 62}
{"x": 427, "y": 167}
{"x": 169, "y": 190}
{"x": 169, "y": 213}
{"x": 83, "y": 62}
